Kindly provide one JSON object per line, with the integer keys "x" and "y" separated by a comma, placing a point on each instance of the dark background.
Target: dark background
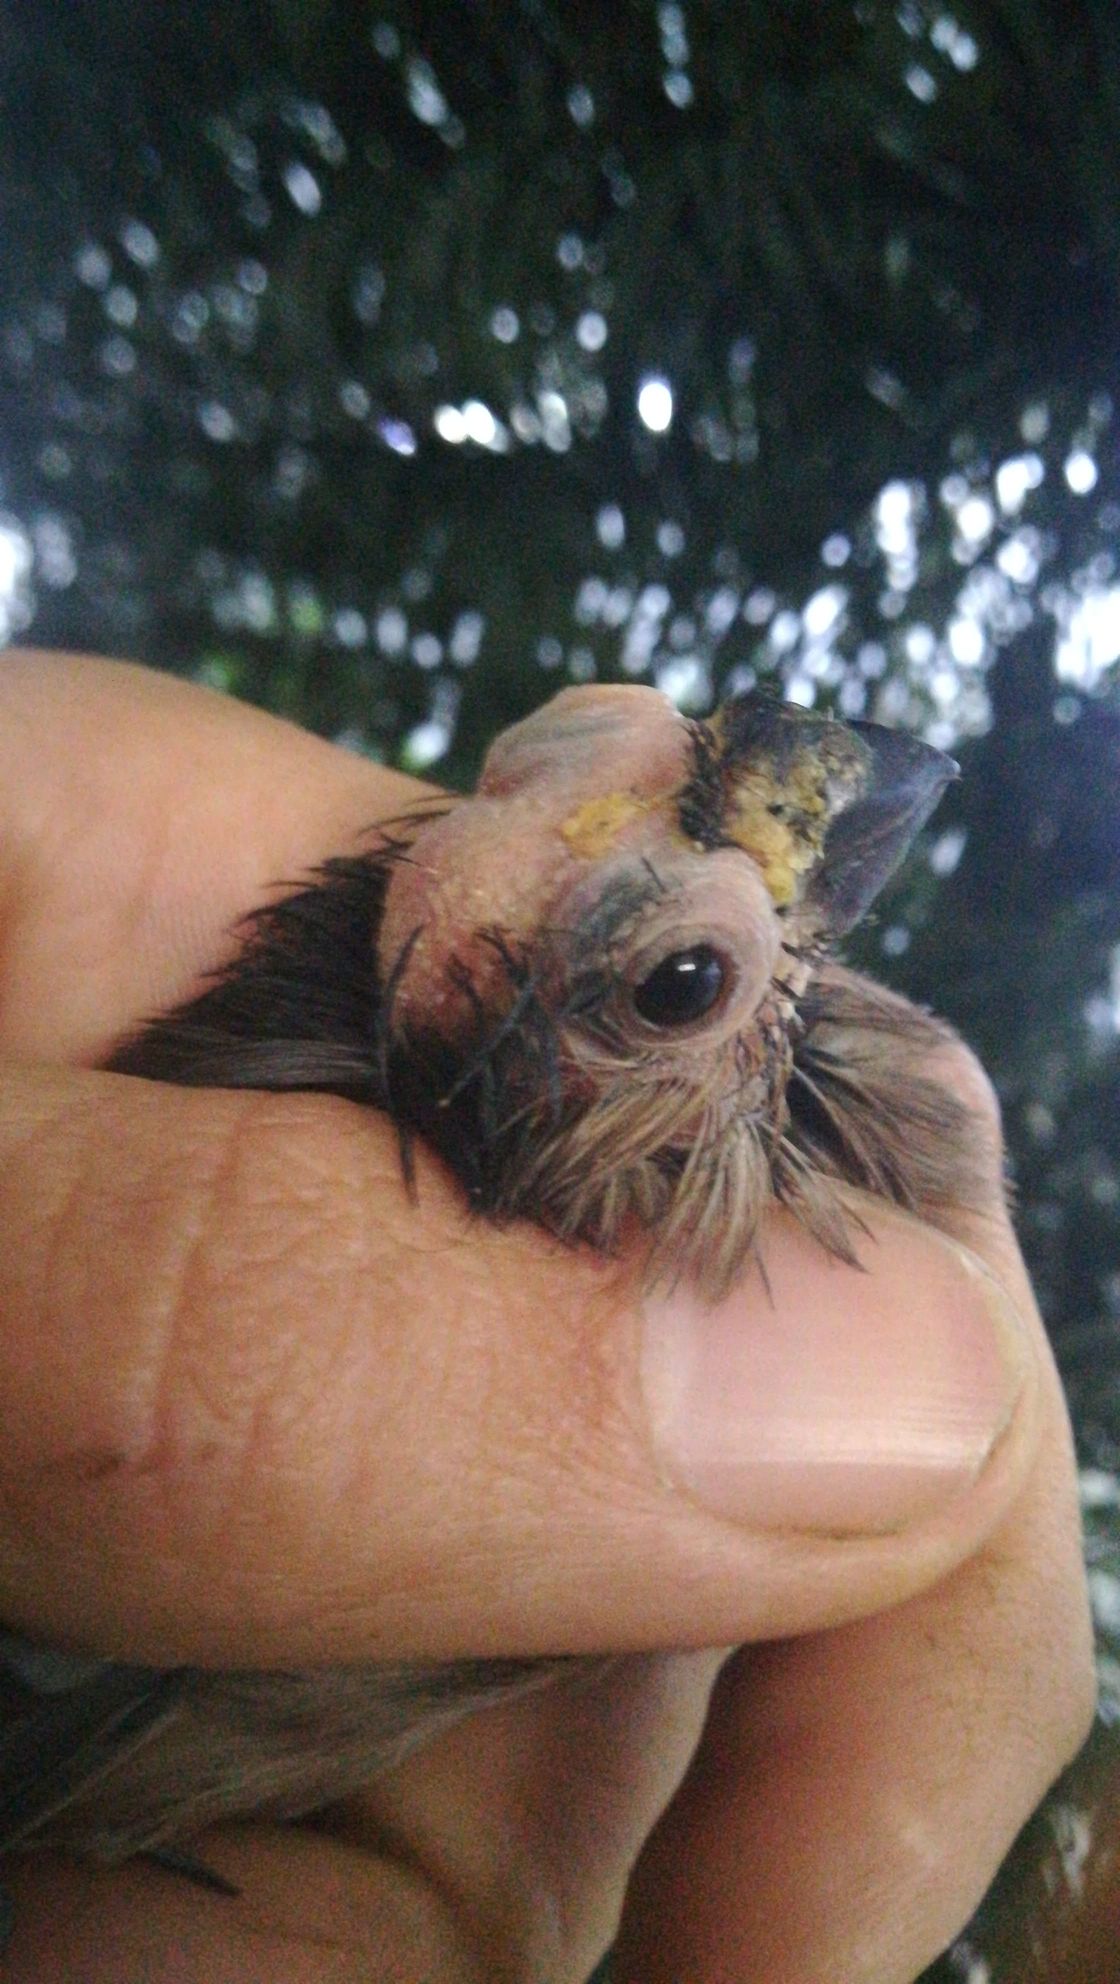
{"x": 324, "y": 330}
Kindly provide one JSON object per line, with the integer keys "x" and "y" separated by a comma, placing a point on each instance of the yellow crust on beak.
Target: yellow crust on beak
{"x": 782, "y": 820}
{"x": 781, "y": 827}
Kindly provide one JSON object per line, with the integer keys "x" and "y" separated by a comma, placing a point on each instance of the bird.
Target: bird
{"x": 603, "y": 989}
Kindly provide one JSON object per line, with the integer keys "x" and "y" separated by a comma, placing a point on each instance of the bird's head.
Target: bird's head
{"x": 592, "y": 967}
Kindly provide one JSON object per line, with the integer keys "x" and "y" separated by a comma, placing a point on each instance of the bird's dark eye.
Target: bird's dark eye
{"x": 682, "y": 988}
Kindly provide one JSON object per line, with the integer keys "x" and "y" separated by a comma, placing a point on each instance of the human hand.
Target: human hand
{"x": 262, "y": 1408}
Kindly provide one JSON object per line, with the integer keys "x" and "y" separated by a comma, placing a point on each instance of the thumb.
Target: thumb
{"x": 262, "y": 1408}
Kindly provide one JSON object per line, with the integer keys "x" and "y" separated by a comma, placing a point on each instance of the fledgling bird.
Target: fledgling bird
{"x": 601, "y": 990}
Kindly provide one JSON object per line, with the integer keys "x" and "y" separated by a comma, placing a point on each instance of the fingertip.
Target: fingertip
{"x": 834, "y": 1408}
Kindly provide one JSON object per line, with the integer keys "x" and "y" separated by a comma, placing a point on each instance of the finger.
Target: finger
{"x": 505, "y": 1851}
{"x": 140, "y": 817}
{"x": 529, "y": 1820}
{"x": 311, "y": 1911}
{"x": 856, "y": 1791}
{"x": 262, "y": 1406}
{"x": 932, "y": 1486}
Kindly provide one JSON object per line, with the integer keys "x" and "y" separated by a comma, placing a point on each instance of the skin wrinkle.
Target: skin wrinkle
{"x": 441, "y": 1584}
{"x": 185, "y": 1232}
{"x": 401, "y": 1930}
{"x": 709, "y": 1572}
{"x": 419, "y": 1381}
{"x": 155, "y": 1452}
{"x": 59, "y": 1221}
{"x": 335, "y": 1338}
{"x": 245, "y": 1198}
{"x": 468, "y": 1352}
{"x": 427, "y": 1861}
{"x": 643, "y": 1715}
{"x": 434, "y": 1892}
{"x": 280, "y": 1437}
{"x": 186, "y": 1275}
{"x": 185, "y": 1375}
{"x": 38, "y": 1139}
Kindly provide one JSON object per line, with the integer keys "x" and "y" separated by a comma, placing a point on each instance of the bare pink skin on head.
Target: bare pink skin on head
{"x": 588, "y": 778}
{"x": 593, "y": 969}
{"x": 604, "y": 998}
{"x": 597, "y": 979}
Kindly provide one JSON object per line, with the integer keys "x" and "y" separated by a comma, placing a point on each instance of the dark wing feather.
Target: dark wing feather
{"x": 301, "y": 1005}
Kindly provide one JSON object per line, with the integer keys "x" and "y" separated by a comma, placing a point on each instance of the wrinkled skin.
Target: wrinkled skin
{"x": 597, "y": 989}
{"x": 1034, "y": 1528}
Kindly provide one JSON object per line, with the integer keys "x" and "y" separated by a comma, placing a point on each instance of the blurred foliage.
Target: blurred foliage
{"x": 393, "y": 367}
{"x": 261, "y": 249}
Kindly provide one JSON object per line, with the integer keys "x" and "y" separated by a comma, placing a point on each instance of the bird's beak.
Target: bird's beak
{"x": 868, "y": 839}
{"x": 826, "y": 809}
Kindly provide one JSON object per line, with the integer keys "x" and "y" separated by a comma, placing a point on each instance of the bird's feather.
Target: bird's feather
{"x": 482, "y": 973}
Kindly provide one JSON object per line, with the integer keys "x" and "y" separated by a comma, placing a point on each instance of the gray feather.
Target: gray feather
{"x": 548, "y": 1099}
